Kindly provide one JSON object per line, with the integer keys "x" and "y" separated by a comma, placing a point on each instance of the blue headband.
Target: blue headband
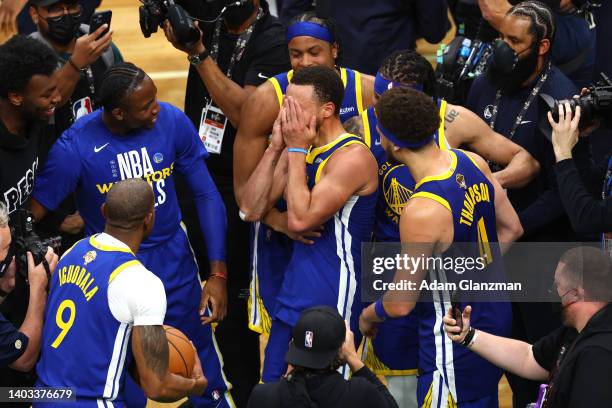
{"x": 382, "y": 85}
{"x": 309, "y": 29}
{"x": 403, "y": 143}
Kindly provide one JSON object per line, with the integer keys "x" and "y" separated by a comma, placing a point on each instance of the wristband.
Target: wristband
{"x": 297, "y": 150}
{"x": 379, "y": 309}
{"x": 217, "y": 275}
{"x": 471, "y": 343}
{"x": 468, "y": 337}
{"x": 73, "y": 65}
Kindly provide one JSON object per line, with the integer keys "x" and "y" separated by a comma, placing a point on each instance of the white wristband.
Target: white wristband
{"x": 473, "y": 339}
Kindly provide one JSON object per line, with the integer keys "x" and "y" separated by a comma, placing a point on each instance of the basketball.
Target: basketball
{"x": 181, "y": 355}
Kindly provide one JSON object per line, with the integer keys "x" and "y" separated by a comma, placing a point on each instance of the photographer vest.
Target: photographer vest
{"x": 83, "y": 98}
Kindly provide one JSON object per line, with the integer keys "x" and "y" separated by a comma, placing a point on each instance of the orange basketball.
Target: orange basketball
{"x": 181, "y": 355}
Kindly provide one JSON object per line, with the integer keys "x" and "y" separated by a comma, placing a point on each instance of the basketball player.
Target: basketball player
{"x": 393, "y": 352}
{"x": 312, "y": 41}
{"x": 433, "y": 219}
{"x": 101, "y": 296}
{"x": 134, "y": 136}
{"x": 333, "y": 184}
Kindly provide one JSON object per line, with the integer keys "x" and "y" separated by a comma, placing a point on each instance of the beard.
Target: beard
{"x": 511, "y": 82}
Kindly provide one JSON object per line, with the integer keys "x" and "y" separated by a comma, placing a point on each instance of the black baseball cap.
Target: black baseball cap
{"x": 317, "y": 337}
{"x": 46, "y": 3}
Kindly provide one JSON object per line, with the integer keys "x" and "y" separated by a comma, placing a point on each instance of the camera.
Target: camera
{"x": 26, "y": 240}
{"x": 153, "y": 13}
{"x": 458, "y": 64}
{"x": 596, "y": 105}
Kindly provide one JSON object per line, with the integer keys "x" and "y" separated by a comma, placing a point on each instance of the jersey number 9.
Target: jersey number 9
{"x": 64, "y": 325}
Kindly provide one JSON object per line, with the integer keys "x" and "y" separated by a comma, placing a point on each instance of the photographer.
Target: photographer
{"x": 321, "y": 343}
{"x": 575, "y": 360}
{"x": 19, "y": 348}
{"x": 587, "y": 214}
{"x": 238, "y": 52}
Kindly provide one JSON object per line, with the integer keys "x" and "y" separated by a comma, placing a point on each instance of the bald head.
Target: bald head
{"x": 128, "y": 203}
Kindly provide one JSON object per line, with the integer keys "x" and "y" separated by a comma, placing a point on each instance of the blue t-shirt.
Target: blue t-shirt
{"x": 88, "y": 158}
{"x": 13, "y": 343}
{"x": 538, "y": 203}
{"x": 573, "y": 40}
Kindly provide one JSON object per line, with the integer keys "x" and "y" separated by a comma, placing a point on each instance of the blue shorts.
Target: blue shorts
{"x": 432, "y": 392}
{"x": 174, "y": 263}
{"x": 270, "y": 255}
{"x": 81, "y": 403}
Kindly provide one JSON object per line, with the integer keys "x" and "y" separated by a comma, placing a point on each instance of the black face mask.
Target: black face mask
{"x": 64, "y": 29}
{"x": 236, "y": 15}
{"x": 507, "y": 70}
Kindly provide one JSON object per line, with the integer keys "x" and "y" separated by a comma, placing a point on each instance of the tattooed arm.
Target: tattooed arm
{"x": 150, "y": 348}
{"x": 354, "y": 125}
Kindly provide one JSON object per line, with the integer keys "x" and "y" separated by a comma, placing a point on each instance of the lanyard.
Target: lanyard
{"x": 534, "y": 92}
{"x": 241, "y": 43}
{"x": 565, "y": 350}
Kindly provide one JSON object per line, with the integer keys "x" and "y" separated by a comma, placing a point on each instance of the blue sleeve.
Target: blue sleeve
{"x": 13, "y": 343}
{"x": 60, "y": 174}
{"x": 572, "y": 37}
{"x": 211, "y": 210}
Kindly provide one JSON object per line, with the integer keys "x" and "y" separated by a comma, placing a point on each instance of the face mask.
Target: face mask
{"x": 64, "y": 29}
{"x": 236, "y": 15}
{"x": 508, "y": 71}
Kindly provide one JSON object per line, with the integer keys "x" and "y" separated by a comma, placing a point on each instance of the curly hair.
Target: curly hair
{"x": 410, "y": 115}
{"x": 20, "y": 59}
{"x": 118, "y": 83}
{"x": 326, "y": 82}
{"x": 409, "y": 67}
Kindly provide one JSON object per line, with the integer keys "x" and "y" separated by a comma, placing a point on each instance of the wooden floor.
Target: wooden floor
{"x": 168, "y": 68}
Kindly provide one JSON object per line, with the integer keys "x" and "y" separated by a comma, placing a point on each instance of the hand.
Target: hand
{"x": 454, "y": 332}
{"x": 9, "y": 10}
{"x": 348, "y": 353}
{"x": 194, "y": 49}
{"x": 277, "y": 143}
{"x": 278, "y": 222}
{"x": 89, "y": 47}
{"x": 564, "y": 133}
{"x": 366, "y": 327}
{"x": 7, "y": 283}
{"x": 299, "y": 130}
{"x": 198, "y": 375}
{"x": 37, "y": 275}
{"x": 566, "y": 6}
{"x": 214, "y": 297}
{"x": 72, "y": 224}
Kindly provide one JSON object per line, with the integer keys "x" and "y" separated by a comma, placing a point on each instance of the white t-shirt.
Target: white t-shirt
{"x": 136, "y": 296}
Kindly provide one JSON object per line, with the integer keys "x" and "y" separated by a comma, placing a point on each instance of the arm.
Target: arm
{"x": 494, "y": 11}
{"x": 367, "y": 91}
{"x": 466, "y": 128}
{"x": 508, "y": 354}
{"x": 150, "y": 348}
{"x": 423, "y": 223}
{"x": 9, "y": 10}
{"x": 87, "y": 50}
{"x": 508, "y": 225}
{"x": 258, "y": 115}
{"x": 33, "y": 324}
{"x": 268, "y": 181}
{"x": 227, "y": 94}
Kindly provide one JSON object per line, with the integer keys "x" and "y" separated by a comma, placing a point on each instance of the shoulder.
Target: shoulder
{"x": 354, "y": 125}
{"x": 136, "y": 277}
{"x": 88, "y": 125}
{"x": 558, "y": 85}
{"x": 265, "y": 395}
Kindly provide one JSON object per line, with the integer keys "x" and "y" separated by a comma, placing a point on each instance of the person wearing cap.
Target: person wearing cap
{"x": 312, "y": 41}
{"x": 321, "y": 342}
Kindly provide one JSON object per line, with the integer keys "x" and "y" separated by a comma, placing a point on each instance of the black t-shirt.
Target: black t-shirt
{"x": 20, "y": 157}
{"x": 265, "y": 56}
{"x": 538, "y": 203}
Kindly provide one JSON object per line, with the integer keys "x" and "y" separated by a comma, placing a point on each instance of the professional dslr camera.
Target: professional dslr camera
{"x": 595, "y": 105}
{"x": 153, "y": 13}
{"x": 26, "y": 240}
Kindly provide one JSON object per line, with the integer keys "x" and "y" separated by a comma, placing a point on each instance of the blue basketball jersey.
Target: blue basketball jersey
{"x": 394, "y": 350}
{"x": 83, "y": 346}
{"x": 328, "y": 272}
{"x": 458, "y": 374}
{"x": 271, "y": 250}
{"x": 352, "y": 104}
{"x": 88, "y": 158}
